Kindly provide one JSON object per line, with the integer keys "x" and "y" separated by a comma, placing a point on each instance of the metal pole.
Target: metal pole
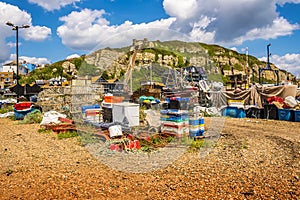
{"x": 252, "y": 75}
{"x": 16, "y": 28}
{"x": 151, "y": 73}
{"x": 17, "y": 53}
{"x": 268, "y": 53}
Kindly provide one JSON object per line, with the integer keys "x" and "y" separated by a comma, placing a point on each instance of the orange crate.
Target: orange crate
{"x": 117, "y": 99}
{"x": 113, "y": 99}
{"x": 108, "y": 99}
{"x": 92, "y": 112}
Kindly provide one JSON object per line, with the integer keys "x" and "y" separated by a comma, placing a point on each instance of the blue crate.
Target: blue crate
{"x": 284, "y": 114}
{"x": 234, "y": 112}
{"x": 84, "y": 108}
{"x": 20, "y": 114}
{"x": 196, "y": 133}
{"x": 296, "y": 115}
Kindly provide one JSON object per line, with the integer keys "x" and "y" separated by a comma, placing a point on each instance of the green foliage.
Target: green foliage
{"x": 215, "y": 77}
{"x": 181, "y": 64}
{"x": 87, "y": 69}
{"x": 34, "y": 117}
{"x": 225, "y": 79}
{"x": 67, "y": 134}
{"x": 44, "y": 130}
{"x": 46, "y": 73}
{"x": 56, "y": 69}
{"x": 212, "y": 49}
{"x": 6, "y": 108}
{"x": 238, "y": 67}
{"x": 253, "y": 60}
{"x": 146, "y": 148}
{"x": 122, "y": 72}
{"x": 105, "y": 75}
{"x": 156, "y": 57}
{"x": 156, "y": 140}
{"x": 142, "y": 114}
{"x": 149, "y": 50}
{"x": 78, "y": 62}
{"x": 196, "y": 145}
{"x": 158, "y": 51}
{"x": 87, "y": 138}
{"x": 169, "y": 139}
{"x": 226, "y": 67}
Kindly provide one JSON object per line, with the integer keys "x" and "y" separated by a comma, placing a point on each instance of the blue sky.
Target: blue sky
{"x": 64, "y": 28}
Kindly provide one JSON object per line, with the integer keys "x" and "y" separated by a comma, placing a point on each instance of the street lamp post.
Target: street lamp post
{"x": 16, "y": 28}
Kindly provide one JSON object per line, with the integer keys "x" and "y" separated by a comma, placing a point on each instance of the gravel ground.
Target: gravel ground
{"x": 253, "y": 159}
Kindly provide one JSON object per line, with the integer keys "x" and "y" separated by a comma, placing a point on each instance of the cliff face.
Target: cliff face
{"x": 234, "y": 63}
{"x": 177, "y": 54}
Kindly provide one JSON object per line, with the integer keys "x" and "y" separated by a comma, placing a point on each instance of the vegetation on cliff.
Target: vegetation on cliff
{"x": 215, "y": 59}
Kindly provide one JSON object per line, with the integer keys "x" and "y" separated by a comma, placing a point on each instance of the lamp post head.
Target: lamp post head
{"x": 15, "y": 27}
{"x": 10, "y": 24}
{"x": 25, "y": 26}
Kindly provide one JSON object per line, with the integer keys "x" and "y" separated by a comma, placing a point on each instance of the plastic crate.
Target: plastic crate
{"x": 196, "y": 133}
{"x": 20, "y": 114}
{"x": 296, "y": 115}
{"x": 270, "y": 111}
{"x": 180, "y": 105}
{"x": 22, "y": 105}
{"x": 113, "y": 99}
{"x": 254, "y": 112}
{"x": 234, "y": 112}
{"x": 84, "y": 108}
{"x": 284, "y": 114}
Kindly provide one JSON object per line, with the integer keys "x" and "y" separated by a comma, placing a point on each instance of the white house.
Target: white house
{"x": 12, "y": 67}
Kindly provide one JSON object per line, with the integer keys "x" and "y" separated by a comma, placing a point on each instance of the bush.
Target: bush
{"x": 6, "y": 108}
{"x": 67, "y": 134}
{"x": 33, "y": 117}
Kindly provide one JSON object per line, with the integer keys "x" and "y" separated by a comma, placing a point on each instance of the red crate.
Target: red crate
{"x": 22, "y": 105}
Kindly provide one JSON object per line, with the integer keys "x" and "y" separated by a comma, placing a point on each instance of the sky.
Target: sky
{"x": 61, "y": 29}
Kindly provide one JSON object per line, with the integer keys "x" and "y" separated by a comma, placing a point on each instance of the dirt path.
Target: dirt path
{"x": 253, "y": 159}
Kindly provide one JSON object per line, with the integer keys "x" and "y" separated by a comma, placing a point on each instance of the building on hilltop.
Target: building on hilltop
{"x": 12, "y": 67}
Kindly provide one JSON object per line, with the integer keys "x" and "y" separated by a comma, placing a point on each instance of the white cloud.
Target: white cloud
{"x": 37, "y": 33}
{"x": 18, "y": 17}
{"x": 229, "y": 22}
{"x": 288, "y": 62}
{"x": 87, "y": 29}
{"x": 72, "y": 56}
{"x": 235, "y": 49}
{"x": 181, "y": 9}
{"x": 35, "y": 60}
{"x": 223, "y": 22}
{"x": 282, "y": 2}
{"x": 53, "y": 4}
{"x": 279, "y": 27}
{"x": 32, "y": 60}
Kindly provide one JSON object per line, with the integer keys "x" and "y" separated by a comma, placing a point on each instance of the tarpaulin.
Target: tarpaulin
{"x": 256, "y": 95}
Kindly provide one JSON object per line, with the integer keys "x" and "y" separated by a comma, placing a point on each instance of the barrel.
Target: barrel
{"x": 196, "y": 127}
{"x": 201, "y": 126}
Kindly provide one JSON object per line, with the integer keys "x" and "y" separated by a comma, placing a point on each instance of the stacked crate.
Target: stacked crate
{"x": 91, "y": 113}
{"x": 107, "y": 106}
{"x": 175, "y": 122}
